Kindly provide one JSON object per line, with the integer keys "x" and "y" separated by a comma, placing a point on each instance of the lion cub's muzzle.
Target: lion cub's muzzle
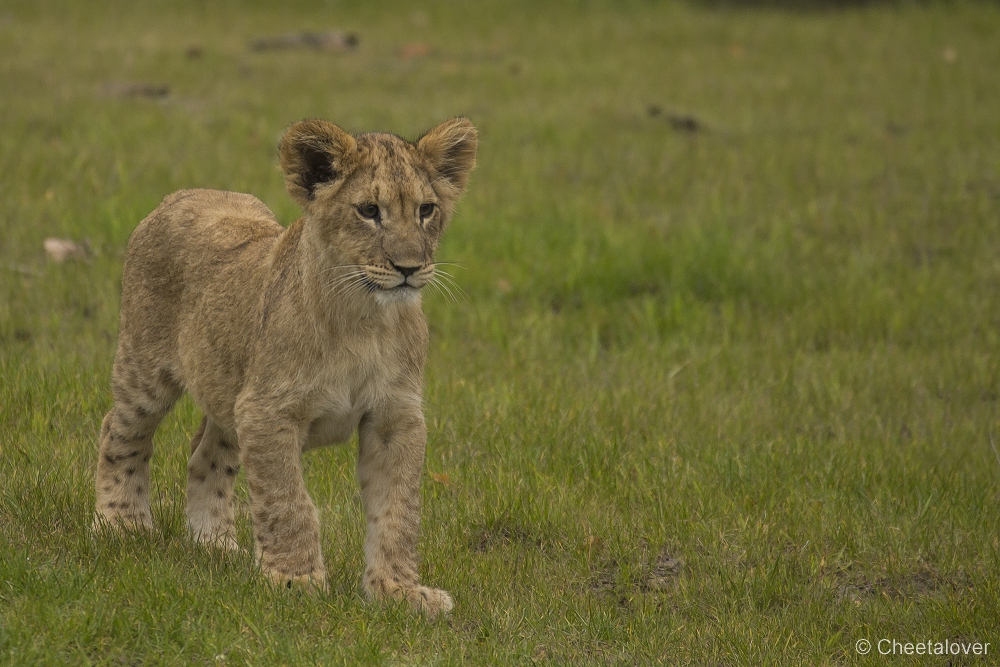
{"x": 399, "y": 276}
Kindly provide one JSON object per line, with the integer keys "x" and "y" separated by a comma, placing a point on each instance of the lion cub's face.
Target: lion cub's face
{"x": 376, "y": 203}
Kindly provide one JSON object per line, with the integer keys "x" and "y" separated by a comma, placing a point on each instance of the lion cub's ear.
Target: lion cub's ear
{"x": 450, "y": 149}
{"x": 314, "y": 153}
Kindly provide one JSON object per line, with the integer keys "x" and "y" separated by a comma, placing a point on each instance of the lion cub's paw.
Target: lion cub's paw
{"x": 430, "y": 601}
{"x": 225, "y": 542}
{"x": 122, "y": 519}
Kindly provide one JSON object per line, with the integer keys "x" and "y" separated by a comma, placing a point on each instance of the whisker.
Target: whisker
{"x": 361, "y": 284}
{"x": 446, "y": 278}
{"x": 341, "y": 285}
{"x": 353, "y": 288}
{"x": 361, "y": 287}
{"x": 327, "y": 269}
{"x": 455, "y": 298}
{"x": 444, "y": 273}
{"x": 340, "y": 280}
{"x": 348, "y": 274}
{"x": 446, "y": 288}
{"x": 440, "y": 290}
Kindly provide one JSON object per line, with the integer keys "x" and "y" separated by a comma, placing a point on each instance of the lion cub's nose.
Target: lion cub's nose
{"x": 407, "y": 271}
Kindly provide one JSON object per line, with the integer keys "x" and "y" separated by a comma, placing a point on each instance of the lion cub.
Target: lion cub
{"x": 290, "y": 339}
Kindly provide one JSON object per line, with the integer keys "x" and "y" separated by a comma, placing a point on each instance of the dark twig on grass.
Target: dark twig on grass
{"x": 334, "y": 41}
{"x": 680, "y": 122}
{"x": 136, "y": 89}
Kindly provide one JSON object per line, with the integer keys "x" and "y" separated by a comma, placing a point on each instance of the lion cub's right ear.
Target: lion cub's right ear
{"x": 315, "y": 153}
{"x": 450, "y": 149}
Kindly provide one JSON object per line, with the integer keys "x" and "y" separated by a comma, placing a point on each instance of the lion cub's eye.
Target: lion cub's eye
{"x": 426, "y": 210}
{"x": 368, "y": 210}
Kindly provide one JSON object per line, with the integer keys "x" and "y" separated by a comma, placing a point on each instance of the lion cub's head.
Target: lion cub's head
{"x": 376, "y": 204}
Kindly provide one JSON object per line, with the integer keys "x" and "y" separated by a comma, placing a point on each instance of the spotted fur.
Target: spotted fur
{"x": 289, "y": 339}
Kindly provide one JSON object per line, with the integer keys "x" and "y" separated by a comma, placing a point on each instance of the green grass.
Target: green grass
{"x": 722, "y": 397}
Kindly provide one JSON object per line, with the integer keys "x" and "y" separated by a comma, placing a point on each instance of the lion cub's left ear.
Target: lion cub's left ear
{"x": 315, "y": 153}
{"x": 450, "y": 149}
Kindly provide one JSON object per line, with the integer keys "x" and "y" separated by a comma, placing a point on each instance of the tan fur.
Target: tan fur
{"x": 289, "y": 339}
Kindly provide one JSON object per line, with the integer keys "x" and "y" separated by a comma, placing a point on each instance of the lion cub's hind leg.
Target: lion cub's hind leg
{"x": 212, "y": 469}
{"x": 141, "y": 400}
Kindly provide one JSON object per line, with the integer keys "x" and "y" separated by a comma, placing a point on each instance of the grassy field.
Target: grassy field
{"x": 722, "y": 386}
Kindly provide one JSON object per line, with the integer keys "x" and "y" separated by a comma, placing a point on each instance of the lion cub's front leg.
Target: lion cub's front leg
{"x": 285, "y": 520}
{"x": 390, "y": 461}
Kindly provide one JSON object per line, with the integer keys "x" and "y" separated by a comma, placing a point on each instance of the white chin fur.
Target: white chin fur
{"x": 405, "y": 295}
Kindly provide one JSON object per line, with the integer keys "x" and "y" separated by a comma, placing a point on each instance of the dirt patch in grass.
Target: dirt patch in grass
{"x": 921, "y": 582}
{"x": 665, "y": 571}
{"x": 659, "y": 574}
{"x": 505, "y": 533}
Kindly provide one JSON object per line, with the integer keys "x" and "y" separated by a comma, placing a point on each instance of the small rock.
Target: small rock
{"x": 59, "y": 250}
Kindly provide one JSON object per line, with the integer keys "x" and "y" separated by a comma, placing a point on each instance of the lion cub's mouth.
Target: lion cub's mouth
{"x": 401, "y": 287}
{"x": 398, "y": 294}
